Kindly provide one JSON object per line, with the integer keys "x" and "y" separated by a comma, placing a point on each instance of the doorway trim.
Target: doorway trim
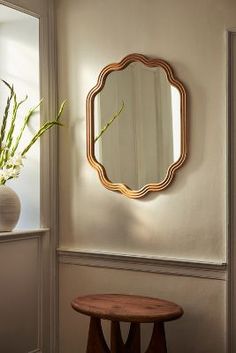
{"x": 231, "y": 189}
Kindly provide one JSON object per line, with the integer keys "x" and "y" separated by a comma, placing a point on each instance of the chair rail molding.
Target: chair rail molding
{"x": 153, "y": 264}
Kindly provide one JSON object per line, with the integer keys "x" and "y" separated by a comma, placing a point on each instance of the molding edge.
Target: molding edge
{"x": 166, "y": 266}
{"x": 22, "y": 234}
{"x": 231, "y": 173}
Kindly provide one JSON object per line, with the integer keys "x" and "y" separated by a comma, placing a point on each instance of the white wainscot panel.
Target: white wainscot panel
{"x": 20, "y": 295}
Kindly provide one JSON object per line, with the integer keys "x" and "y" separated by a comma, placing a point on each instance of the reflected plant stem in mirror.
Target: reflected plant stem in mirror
{"x": 104, "y": 129}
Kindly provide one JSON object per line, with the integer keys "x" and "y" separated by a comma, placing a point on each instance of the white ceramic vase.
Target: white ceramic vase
{"x": 9, "y": 208}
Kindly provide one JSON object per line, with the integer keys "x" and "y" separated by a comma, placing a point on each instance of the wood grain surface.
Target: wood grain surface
{"x": 128, "y": 308}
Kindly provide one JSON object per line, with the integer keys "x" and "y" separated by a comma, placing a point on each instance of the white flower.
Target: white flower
{"x": 9, "y": 173}
{"x": 15, "y": 160}
{"x": 15, "y": 172}
{"x": 11, "y": 168}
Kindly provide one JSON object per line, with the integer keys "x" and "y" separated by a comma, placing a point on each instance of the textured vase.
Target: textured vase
{"x": 9, "y": 209}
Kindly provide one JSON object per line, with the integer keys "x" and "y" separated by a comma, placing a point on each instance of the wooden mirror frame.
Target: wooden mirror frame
{"x": 90, "y": 126}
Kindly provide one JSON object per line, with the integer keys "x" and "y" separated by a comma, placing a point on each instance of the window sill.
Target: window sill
{"x": 21, "y": 233}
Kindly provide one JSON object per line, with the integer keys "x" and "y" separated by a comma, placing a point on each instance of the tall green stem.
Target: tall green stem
{"x": 46, "y": 126}
{"x": 25, "y": 123}
{"x": 4, "y": 122}
{"x": 109, "y": 123}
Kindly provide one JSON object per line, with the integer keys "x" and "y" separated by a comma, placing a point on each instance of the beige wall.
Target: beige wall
{"x": 188, "y": 219}
{"x": 202, "y": 328}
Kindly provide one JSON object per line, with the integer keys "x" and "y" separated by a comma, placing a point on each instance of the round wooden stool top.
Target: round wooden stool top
{"x": 129, "y": 308}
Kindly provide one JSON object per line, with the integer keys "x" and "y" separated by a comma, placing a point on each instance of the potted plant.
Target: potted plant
{"x": 12, "y": 153}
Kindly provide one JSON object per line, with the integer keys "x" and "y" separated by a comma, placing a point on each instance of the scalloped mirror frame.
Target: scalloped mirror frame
{"x": 150, "y": 62}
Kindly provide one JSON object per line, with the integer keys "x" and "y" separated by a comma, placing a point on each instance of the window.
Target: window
{"x": 19, "y": 65}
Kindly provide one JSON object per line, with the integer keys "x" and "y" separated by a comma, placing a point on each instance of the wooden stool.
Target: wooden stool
{"x": 128, "y": 308}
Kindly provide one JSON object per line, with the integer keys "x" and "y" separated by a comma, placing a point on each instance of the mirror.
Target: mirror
{"x": 136, "y": 125}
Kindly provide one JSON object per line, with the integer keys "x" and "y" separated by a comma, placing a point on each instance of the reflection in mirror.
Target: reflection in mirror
{"x": 145, "y": 141}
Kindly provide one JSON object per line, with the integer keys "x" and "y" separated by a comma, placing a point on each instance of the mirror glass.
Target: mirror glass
{"x": 143, "y": 139}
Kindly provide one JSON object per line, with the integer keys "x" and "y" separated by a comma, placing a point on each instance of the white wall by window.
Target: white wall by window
{"x": 19, "y": 65}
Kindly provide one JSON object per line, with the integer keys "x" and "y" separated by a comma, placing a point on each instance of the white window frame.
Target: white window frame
{"x": 44, "y": 11}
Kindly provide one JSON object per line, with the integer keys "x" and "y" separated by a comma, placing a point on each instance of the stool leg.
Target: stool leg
{"x": 96, "y": 341}
{"x": 117, "y": 344}
{"x": 132, "y": 344}
{"x": 158, "y": 340}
